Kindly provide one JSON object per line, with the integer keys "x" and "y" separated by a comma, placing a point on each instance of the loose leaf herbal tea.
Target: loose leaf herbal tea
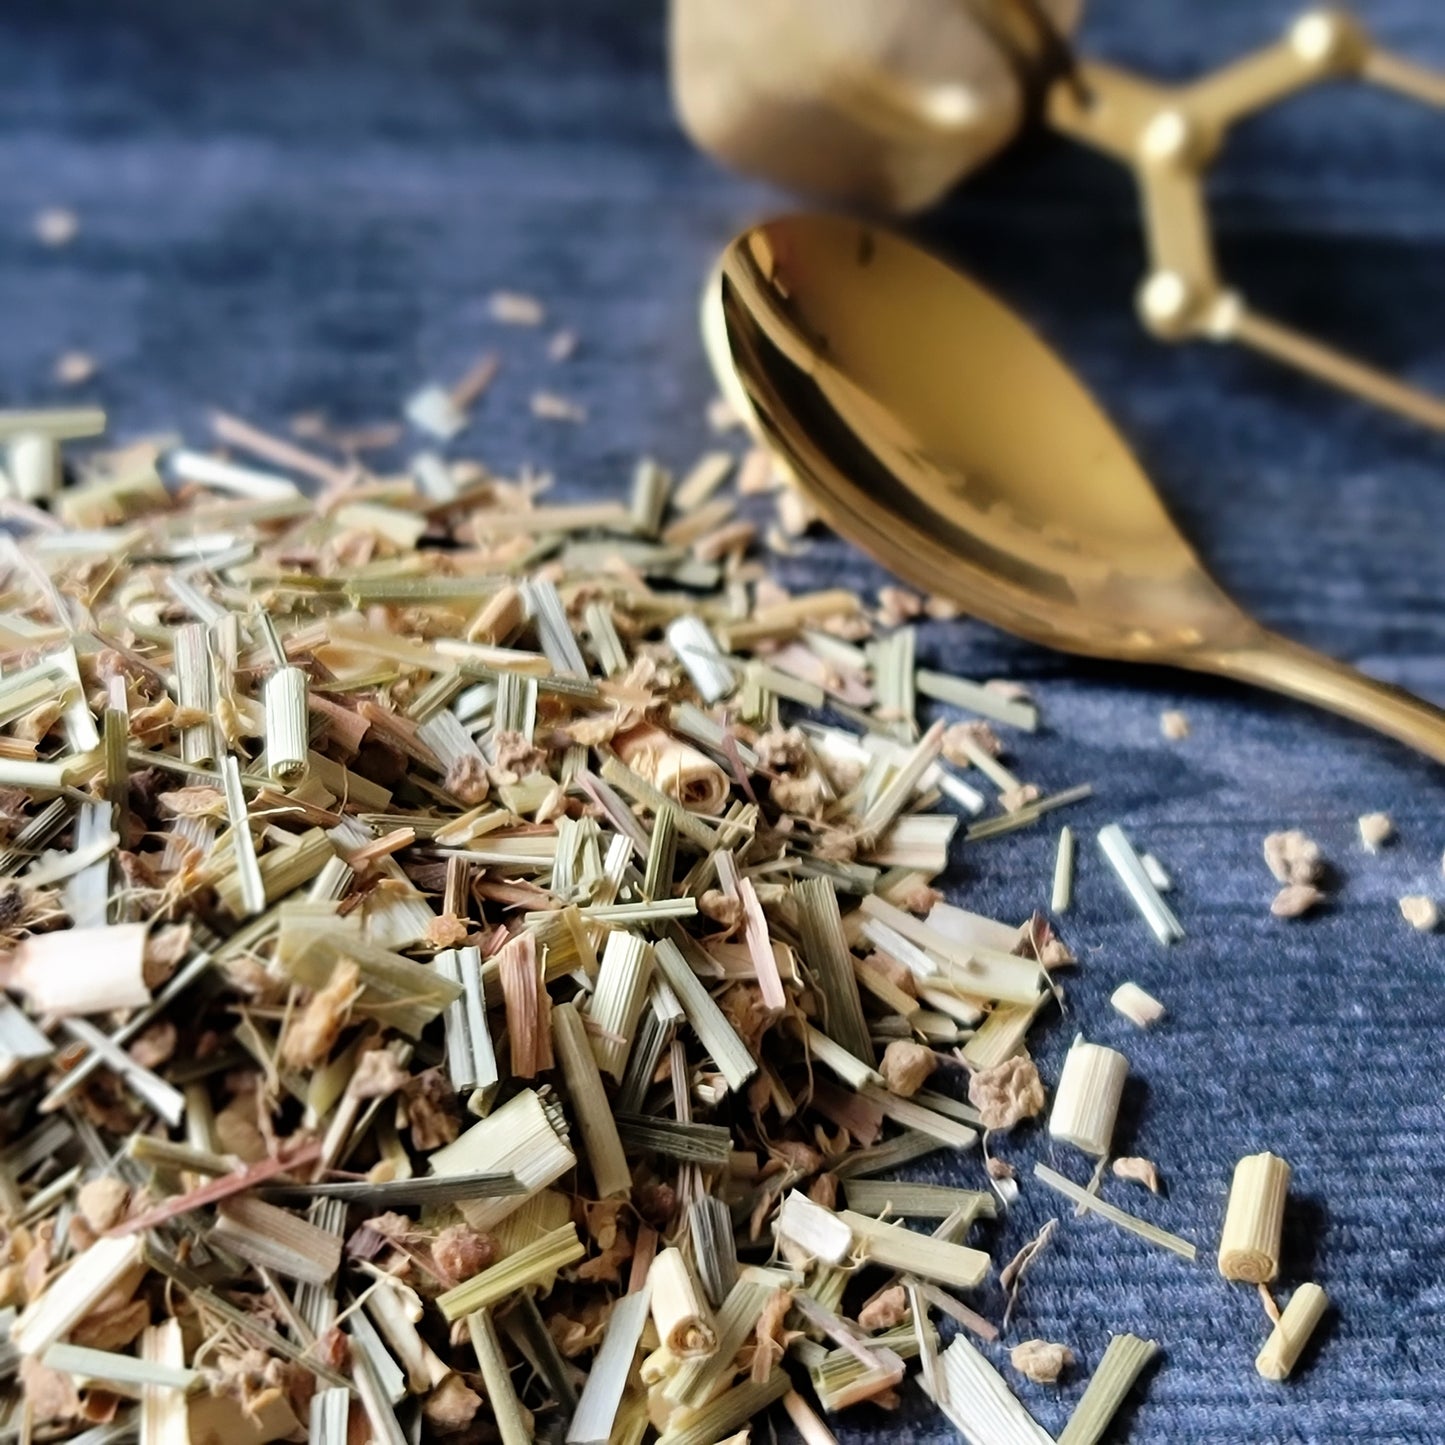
{"x": 472, "y": 962}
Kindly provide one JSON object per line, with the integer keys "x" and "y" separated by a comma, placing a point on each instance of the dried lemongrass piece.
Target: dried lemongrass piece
{"x": 243, "y": 848}
{"x": 527, "y": 1004}
{"x": 679, "y": 1311}
{"x": 697, "y": 650}
{"x": 1137, "y": 1006}
{"x": 1293, "y": 857}
{"x": 1124, "y": 1361}
{"x": 471, "y": 1060}
{"x": 1296, "y": 899}
{"x": 703, "y": 478}
{"x": 273, "y": 1238}
{"x": 813, "y": 1231}
{"x": 1086, "y": 1101}
{"x": 1124, "y": 1220}
{"x": 1254, "y": 1220}
{"x": 595, "y": 1416}
{"x": 532, "y": 1264}
{"x": 1292, "y": 1332}
{"x": 1376, "y": 829}
{"x": 520, "y": 1138}
{"x": 617, "y": 1001}
{"x": 910, "y": 1200}
{"x": 68, "y": 1298}
{"x": 806, "y": 1422}
{"x": 1130, "y": 871}
{"x": 1174, "y": 725}
{"x": 512, "y": 1420}
{"x": 600, "y": 1142}
{"x": 705, "y": 1018}
{"x": 896, "y": 1247}
{"x": 977, "y": 698}
{"x": 1063, "y": 888}
{"x": 81, "y": 970}
{"x": 676, "y": 771}
{"x": 722, "y": 1415}
{"x": 979, "y": 1402}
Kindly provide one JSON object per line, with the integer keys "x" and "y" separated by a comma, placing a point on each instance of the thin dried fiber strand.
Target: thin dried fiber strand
{"x": 1092, "y": 1205}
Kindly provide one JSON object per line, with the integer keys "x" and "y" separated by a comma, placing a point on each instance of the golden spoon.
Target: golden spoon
{"x": 935, "y": 430}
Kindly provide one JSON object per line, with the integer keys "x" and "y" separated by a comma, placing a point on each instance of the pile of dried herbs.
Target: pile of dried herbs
{"x": 471, "y": 962}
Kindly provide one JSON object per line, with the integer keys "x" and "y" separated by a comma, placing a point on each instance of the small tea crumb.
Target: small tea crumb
{"x": 548, "y": 406}
{"x": 74, "y": 368}
{"x": 56, "y": 226}
{"x": 562, "y": 346}
{"x": 887, "y": 1308}
{"x": 1375, "y": 829}
{"x": 906, "y": 1066}
{"x": 1140, "y": 1171}
{"x": 1006, "y": 1093}
{"x": 1012, "y": 799}
{"x": 1174, "y": 725}
{"x": 1293, "y": 857}
{"x": 513, "y": 308}
{"x": 1000, "y": 1169}
{"x": 1041, "y": 1361}
{"x": 756, "y": 474}
{"x": 102, "y": 1202}
{"x": 1420, "y": 912}
{"x": 1294, "y": 899}
{"x": 720, "y": 415}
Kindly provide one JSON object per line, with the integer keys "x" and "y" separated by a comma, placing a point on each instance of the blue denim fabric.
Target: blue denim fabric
{"x": 304, "y": 207}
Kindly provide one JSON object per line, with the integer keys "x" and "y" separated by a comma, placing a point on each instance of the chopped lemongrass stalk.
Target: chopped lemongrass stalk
{"x": 243, "y": 848}
{"x": 532, "y": 1264}
{"x": 1093, "y": 1205}
{"x": 919, "y": 841}
{"x": 694, "y": 1382}
{"x": 1063, "y": 892}
{"x": 760, "y": 949}
{"x": 195, "y": 692}
{"x": 108, "y": 1368}
{"x": 371, "y": 1357}
{"x": 166, "y": 1154}
{"x": 903, "y": 784}
{"x": 714, "y": 1246}
{"x": 611, "y": 1174}
{"x": 859, "y": 1370}
{"x": 520, "y": 1138}
{"x": 1292, "y": 1332}
{"x": 917, "y": 1201}
{"x": 675, "y": 767}
{"x": 602, "y": 635}
{"x": 958, "y": 1311}
{"x": 806, "y": 1422}
{"x": 277, "y": 1239}
{"x": 893, "y": 673}
{"x": 81, "y": 970}
{"x": 707, "y": 1020}
{"x": 1029, "y": 813}
{"x": 978, "y": 1401}
{"x": 428, "y": 1191}
{"x": 703, "y": 478}
{"x": 70, "y": 1296}
{"x": 617, "y": 1001}
{"x": 826, "y": 952}
{"x": 651, "y": 484}
{"x": 1156, "y": 873}
{"x": 1124, "y": 1361}
{"x": 330, "y": 1414}
{"x": 680, "y": 1314}
{"x": 891, "y": 1154}
{"x": 1002, "y": 1033}
{"x": 815, "y": 1232}
{"x": 545, "y": 608}
{"x": 708, "y": 1144}
{"x": 715, "y": 1421}
{"x": 165, "y": 1415}
{"x": 833, "y": 1056}
{"x": 975, "y": 697}
{"x": 164, "y": 1098}
{"x": 223, "y": 476}
{"x": 912, "y": 1114}
{"x": 931, "y": 1377}
{"x": 1126, "y": 864}
{"x": 661, "y": 857}
{"x": 511, "y": 1419}
{"x": 471, "y": 1060}
{"x": 1254, "y": 1221}
{"x": 528, "y": 1004}
{"x": 1137, "y": 1006}
{"x": 877, "y": 983}
{"x": 895, "y": 1247}
{"x": 702, "y": 659}
{"x": 1086, "y": 1101}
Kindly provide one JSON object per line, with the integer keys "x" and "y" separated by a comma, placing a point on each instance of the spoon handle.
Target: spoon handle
{"x": 1277, "y": 663}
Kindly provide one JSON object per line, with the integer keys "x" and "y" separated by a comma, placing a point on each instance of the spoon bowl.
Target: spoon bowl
{"x": 935, "y": 430}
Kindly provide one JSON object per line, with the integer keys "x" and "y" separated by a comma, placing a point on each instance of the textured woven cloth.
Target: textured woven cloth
{"x": 304, "y": 207}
